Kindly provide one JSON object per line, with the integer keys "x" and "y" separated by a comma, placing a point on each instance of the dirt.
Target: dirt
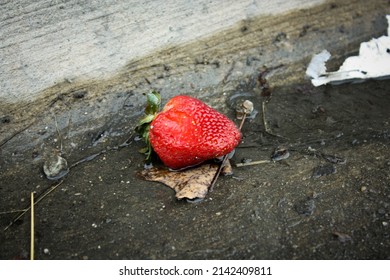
{"x": 330, "y": 199}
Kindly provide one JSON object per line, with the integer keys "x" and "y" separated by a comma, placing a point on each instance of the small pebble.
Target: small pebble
{"x": 55, "y": 167}
{"x": 46, "y": 251}
{"x": 280, "y": 153}
{"x": 340, "y": 134}
{"x": 246, "y": 108}
{"x": 310, "y": 149}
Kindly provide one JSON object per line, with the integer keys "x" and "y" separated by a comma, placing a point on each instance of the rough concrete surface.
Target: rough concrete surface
{"x": 329, "y": 200}
{"x": 43, "y": 43}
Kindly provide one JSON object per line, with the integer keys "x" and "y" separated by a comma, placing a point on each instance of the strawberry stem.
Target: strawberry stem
{"x": 153, "y": 103}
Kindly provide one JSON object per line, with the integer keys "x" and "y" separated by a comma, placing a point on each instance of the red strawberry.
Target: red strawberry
{"x": 188, "y": 132}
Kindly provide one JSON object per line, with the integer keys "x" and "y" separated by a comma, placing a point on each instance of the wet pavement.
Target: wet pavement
{"x": 329, "y": 198}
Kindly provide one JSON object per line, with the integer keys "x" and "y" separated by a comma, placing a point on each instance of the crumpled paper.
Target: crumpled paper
{"x": 373, "y": 61}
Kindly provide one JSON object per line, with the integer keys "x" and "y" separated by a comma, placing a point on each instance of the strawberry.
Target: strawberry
{"x": 187, "y": 132}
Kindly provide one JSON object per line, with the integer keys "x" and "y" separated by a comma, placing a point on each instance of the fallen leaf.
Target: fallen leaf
{"x": 191, "y": 183}
{"x": 227, "y": 169}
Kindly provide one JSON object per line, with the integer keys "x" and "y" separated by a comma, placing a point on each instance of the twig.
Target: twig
{"x": 32, "y": 228}
{"x": 93, "y": 156}
{"x": 88, "y": 158}
{"x": 252, "y": 163}
{"x": 37, "y": 201}
{"x": 225, "y": 158}
{"x": 126, "y": 143}
{"x": 58, "y": 131}
{"x": 11, "y": 211}
{"x": 15, "y": 134}
{"x": 242, "y": 121}
{"x": 69, "y": 124}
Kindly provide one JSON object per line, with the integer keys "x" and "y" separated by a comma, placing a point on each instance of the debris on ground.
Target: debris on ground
{"x": 280, "y": 153}
{"x": 342, "y": 237}
{"x": 373, "y": 61}
{"x": 55, "y": 166}
{"x": 193, "y": 183}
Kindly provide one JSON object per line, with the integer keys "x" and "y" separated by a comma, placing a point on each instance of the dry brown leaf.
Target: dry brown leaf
{"x": 227, "y": 169}
{"x": 191, "y": 183}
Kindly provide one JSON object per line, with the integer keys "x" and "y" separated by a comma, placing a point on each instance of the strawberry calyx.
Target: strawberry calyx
{"x": 153, "y": 103}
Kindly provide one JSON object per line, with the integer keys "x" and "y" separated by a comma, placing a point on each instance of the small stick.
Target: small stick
{"x": 11, "y": 211}
{"x": 58, "y": 131}
{"x": 88, "y": 158}
{"x": 242, "y": 121}
{"x": 38, "y": 200}
{"x": 32, "y": 228}
{"x": 252, "y": 163}
{"x": 15, "y": 134}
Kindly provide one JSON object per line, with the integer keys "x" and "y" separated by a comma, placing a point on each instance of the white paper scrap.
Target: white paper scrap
{"x": 373, "y": 61}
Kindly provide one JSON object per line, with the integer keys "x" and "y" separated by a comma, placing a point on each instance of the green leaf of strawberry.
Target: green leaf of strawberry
{"x": 153, "y": 104}
{"x": 187, "y": 132}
